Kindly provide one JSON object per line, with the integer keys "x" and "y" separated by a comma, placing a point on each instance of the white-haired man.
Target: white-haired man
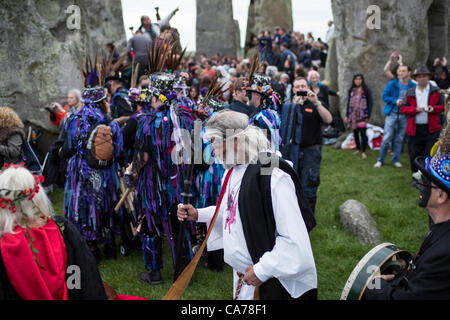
{"x": 264, "y": 222}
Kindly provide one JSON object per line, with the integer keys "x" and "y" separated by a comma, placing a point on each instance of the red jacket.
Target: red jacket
{"x": 408, "y": 108}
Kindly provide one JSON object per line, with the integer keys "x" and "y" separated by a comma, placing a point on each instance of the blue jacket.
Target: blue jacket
{"x": 291, "y": 133}
{"x": 390, "y": 94}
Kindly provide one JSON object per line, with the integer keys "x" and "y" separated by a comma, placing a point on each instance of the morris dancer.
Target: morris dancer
{"x": 209, "y": 176}
{"x": 264, "y": 100}
{"x": 92, "y": 181}
{"x": 159, "y": 178}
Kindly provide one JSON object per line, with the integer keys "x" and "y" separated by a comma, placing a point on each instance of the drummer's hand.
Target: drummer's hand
{"x": 387, "y": 277}
{"x": 187, "y": 212}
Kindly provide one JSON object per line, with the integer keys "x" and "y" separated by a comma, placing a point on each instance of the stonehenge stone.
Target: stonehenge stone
{"x": 418, "y": 29}
{"x": 355, "y": 218}
{"x": 216, "y": 28}
{"x": 267, "y": 14}
{"x": 41, "y": 42}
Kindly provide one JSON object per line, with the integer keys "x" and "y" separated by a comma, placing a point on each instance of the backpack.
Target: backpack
{"x": 100, "y": 146}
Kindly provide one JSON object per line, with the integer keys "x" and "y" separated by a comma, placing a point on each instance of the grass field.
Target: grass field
{"x": 385, "y": 191}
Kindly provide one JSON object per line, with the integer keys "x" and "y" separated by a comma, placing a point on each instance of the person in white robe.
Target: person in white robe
{"x": 291, "y": 260}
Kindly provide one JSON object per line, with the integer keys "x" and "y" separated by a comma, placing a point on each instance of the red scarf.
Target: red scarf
{"x": 29, "y": 280}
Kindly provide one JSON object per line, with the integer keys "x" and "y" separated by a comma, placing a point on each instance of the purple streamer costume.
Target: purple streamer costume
{"x": 90, "y": 194}
{"x": 159, "y": 180}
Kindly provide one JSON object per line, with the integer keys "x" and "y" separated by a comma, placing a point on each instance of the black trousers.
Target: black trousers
{"x": 360, "y": 139}
{"x": 421, "y": 144}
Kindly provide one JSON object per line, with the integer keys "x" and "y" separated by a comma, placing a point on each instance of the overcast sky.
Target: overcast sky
{"x": 308, "y": 16}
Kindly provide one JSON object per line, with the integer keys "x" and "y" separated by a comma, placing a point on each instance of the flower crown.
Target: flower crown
{"x": 12, "y": 197}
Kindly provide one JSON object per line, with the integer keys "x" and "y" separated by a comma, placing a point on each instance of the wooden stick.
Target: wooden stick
{"x": 122, "y": 200}
{"x": 180, "y": 285}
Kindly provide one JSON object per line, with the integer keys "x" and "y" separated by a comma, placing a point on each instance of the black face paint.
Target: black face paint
{"x": 424, "y": 187}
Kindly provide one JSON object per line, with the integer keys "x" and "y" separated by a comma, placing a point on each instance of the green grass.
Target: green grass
{"x": 387, "y": 194}
{"x": 385, "y": 191}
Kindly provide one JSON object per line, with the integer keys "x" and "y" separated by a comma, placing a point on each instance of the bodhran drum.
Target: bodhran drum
{"x": 383, "y": 259}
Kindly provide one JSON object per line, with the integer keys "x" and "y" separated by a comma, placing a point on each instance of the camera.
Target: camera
{"x": 51, "y": 108}
{"x": 302, "y": 93}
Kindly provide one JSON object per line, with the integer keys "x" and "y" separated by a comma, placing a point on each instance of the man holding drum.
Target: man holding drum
{"x": 427, "y": 274}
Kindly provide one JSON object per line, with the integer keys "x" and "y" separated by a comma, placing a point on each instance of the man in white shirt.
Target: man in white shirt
{"x": 268, "y": 248}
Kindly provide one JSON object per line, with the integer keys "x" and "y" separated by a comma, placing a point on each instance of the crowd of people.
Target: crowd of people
{"x": 118, "y": 159}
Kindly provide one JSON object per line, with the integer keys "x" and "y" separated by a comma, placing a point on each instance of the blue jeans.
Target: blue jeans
{"x": 394, "y": 133}
{"x": 309, "y": 172}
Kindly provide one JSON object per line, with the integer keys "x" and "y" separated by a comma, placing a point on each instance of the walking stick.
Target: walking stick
{"x": 180, "y": 285}
{"x": 181, "y": 233}
{"x": 187, "y": 195}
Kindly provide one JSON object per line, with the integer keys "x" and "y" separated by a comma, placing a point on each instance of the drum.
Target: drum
{"x": 383, "y": 259}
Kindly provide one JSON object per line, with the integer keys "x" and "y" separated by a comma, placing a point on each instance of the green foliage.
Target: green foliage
{"x": 385, "y": 191}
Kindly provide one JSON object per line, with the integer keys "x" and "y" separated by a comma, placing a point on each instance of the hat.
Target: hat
{"x": 161, "y": 86}
{"x": 137, "y": 95}
{"x": 437, "y": 167}
{"x": 421, "y": 70}
{"x": 211, "y": 106}
{"x": 115, "y": 76}
{"x": 211, "y": 103}
{"x": 95, "y": 94}
{"x": 92, "y": 77}
{"x": 257, "y": 82}
{"x": 180, "y": 83}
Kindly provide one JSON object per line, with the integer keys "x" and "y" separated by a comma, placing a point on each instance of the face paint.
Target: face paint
{"x": 424, "y": 187}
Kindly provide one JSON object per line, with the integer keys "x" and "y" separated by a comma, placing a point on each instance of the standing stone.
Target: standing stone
{"x": 355, "y": 218}
{"x": 331, "y": 76}
{"x": 404, "y": 28}
{"x": 237, "y": 38}
{"x": 267, "y": 14}
{"x": 438, "y": 25}
{"x": 40, "y": 45}
{"x": 215, "y": 28}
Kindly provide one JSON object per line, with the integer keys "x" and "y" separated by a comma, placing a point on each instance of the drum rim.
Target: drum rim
{"x": 351, "y": 281}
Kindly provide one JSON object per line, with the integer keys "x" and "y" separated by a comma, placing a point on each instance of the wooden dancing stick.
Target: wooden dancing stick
{"x": 122, "y": 200}
{"x": 180, "y": 285}
{"x": 187, "y": 195}
{"x": 186, "y": 200}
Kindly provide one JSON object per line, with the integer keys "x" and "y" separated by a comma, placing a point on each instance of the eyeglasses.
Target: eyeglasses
{"x": 422, "y": 186}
